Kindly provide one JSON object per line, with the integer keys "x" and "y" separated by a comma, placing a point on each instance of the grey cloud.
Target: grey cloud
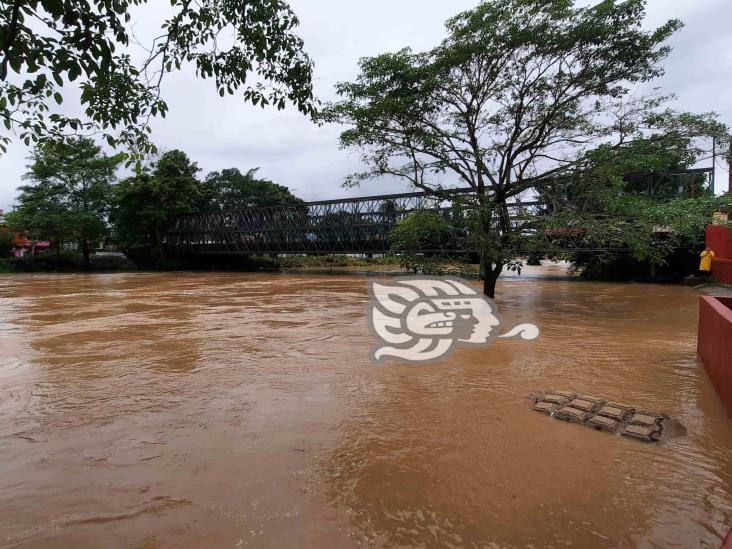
{"x": 219, "y": 133}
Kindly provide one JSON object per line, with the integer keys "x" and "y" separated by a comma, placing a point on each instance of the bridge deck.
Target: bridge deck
{"x": 357, "y": 225}
{"x": 354, "y": 225}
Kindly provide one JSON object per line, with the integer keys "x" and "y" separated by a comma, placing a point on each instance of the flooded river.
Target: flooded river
{"x": 241, "y": 410}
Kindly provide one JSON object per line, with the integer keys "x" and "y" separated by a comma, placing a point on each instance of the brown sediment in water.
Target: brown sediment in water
{"x": 195, "y": 410}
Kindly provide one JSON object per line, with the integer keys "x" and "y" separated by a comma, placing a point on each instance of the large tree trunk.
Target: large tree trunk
{"x": 85, "y": 253}
{"x": 489, "y": 272}
{"x": 490, "y": 265}
{"x": 157, "y": 248}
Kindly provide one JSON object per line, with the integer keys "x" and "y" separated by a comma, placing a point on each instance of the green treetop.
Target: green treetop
{"x": 230, "y": 189}
{"x": 70, "y": 193}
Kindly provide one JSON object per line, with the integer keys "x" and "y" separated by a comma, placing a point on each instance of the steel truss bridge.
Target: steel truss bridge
{"x": 346, "y": 226}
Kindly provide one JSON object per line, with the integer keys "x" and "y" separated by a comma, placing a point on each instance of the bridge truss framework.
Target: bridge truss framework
{"x": 352, "y": 225}
{"x": 346, "y": 226}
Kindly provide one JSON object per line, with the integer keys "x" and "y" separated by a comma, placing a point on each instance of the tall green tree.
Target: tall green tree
{"x": 70, "y": 193}
{"x": 41, "y": 214}
{"x": 45, "y": 45}
{"x": 145, "y": 203}
{"x": 517, "y": 93}
{"x": 230, "y": 189}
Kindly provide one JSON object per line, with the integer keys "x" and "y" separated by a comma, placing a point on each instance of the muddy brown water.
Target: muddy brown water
{"x": 236, "y": 410}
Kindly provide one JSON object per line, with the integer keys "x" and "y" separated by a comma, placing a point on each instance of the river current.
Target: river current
{"x": 242, "y": 410}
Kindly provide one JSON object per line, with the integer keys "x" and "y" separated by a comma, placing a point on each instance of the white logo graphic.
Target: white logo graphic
{"x": 421, "y": 319}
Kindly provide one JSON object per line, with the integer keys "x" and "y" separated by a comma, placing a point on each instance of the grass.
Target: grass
{"x": 312, "y": 261}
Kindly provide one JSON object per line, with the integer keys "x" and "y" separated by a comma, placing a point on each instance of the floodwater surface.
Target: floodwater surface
{"x": 241, "y": 410}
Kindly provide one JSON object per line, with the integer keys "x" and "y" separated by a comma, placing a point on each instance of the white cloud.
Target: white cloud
{"x": 224, "y": 132}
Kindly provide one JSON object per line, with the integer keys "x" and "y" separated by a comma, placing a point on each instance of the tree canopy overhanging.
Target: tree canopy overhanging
{"x": 47, "y": 46}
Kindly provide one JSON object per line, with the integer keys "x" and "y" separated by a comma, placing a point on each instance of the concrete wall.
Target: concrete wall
{"x": 715, "y": 344}
{"x": 727, "y": 543}
{"x": 719, "y": 239}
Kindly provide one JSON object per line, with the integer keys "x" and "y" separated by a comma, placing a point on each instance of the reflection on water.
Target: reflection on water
{"x": 242, "y": 410}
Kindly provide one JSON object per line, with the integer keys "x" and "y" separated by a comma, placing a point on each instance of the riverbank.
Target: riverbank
{"x": 117, "y": 261}
{"x": 67, "y": 263}
{"x": 106, "y": 262}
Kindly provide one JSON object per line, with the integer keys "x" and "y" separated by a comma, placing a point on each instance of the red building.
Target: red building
{"x": 22, "y": 245}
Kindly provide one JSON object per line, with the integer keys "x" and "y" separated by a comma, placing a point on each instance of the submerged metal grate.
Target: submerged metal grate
{"x": 601, "y": 414}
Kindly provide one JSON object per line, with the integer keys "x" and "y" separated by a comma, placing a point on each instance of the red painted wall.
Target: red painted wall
{"x": 719, "y": 239}
{"x": 722, "y": 270}
{"x": 714, "y": 344}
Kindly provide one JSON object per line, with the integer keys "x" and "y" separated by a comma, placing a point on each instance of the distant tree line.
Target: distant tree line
{"x": 73, "y": 196}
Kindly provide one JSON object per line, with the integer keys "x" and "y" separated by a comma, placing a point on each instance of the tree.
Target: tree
{"x": 145, "y": 203}
{"x": 51, "y": 43}
{"x": 515, "y": 95}
{"x": 418, "y": 232}
{"x": 649, "y": 230}
{"x": 607, "y": 213}
{"x": 653, "y": 165}
{"x": 42, "y": 215}
{"x": 229, "y": 189}
{"x": 69, "y": 198}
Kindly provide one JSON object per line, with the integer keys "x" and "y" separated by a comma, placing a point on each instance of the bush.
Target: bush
{"x": 418, "y": 232}
{"x": 305, "y": 261}
{"x": 45, "y": 263}
{"x": 63, "y": 263}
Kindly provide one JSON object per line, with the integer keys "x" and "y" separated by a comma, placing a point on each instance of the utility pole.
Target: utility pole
{"x": 729, "y": 168}
{"x": 714, "y": 164}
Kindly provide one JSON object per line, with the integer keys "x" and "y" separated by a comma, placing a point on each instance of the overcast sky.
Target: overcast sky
{"x": 225, "y": 132}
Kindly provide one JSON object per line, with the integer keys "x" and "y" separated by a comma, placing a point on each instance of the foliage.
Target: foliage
{"x": 62, "y": 262}
{"x": 144, "y": 203}
{"x": 648, "y": 229}
{"x": 419, "y": 232}
{"x": 70, "y": 193}
{"x": 40, "y": 214}
{"x": 415, "y": 234}
{"x": 6, "y": 246}
{"x": 650, "y": 165}
{"x": 49, "y": 44}
{"x": 518, "y": 92}
{"x": 329, "y": 261}
{"x": 229, "y": 189}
